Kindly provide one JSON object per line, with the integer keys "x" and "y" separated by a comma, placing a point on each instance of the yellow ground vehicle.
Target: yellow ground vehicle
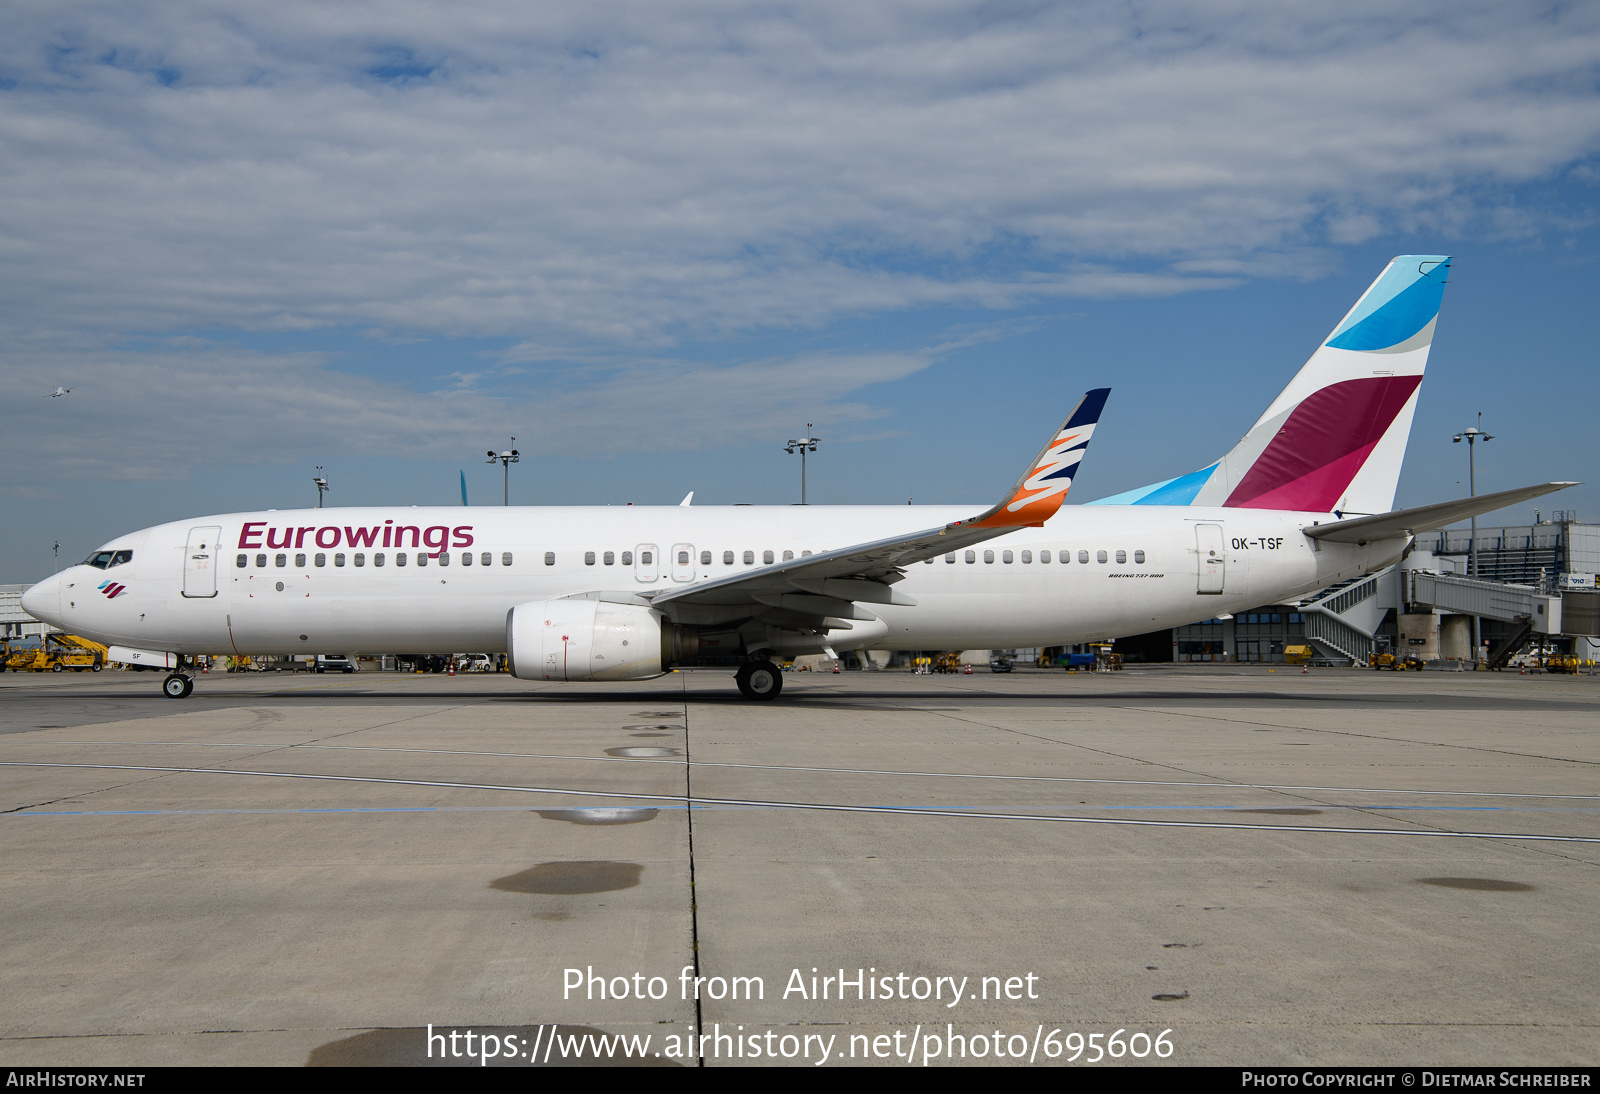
{"x": 1297, "y": 655}
{"x": 58, "y": 653}
{"x": 1390, "y": 661}
{"x": 1104, "y": 658}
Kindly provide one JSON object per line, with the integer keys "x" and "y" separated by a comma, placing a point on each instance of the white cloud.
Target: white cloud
{"x": 627, "y": 174}
{"x": 162, "y": 415}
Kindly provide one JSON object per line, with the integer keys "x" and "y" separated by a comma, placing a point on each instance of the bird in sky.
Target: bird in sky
{"x": 58, "y": 392}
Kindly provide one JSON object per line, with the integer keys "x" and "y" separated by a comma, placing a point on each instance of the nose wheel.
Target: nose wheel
{"x": 177, "y": 686}
{"x": 761, "y": 680}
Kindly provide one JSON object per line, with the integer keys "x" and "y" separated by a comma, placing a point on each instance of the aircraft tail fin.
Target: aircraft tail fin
{"x": 1334, "y": 439}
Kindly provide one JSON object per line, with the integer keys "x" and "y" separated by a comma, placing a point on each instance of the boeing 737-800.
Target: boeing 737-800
{"x": 626, "y": 593}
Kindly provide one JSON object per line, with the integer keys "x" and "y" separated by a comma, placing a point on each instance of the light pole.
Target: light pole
{"x": 1472, "y": 436}
{"x": 805, "y": 444}
{"x": 505, "y": 459}
{"x": 322, "y": 484}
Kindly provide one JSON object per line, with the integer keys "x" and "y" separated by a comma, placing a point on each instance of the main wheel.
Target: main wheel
{"x": 177, "y": 686}
{"x": 760, "y": 680}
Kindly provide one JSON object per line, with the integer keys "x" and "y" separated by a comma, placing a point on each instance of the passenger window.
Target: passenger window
{"x": 1122, "y": 558}
{"x": 950, "y": 558}
{"x": 927, "y": 562}
{"x": 1044, "y": 556}
{"x": 444, "y": 558}
{"x": 803, "y": 554}
{"x": 646, "y": 557}
{"x": 766, "y": 558}
{"x": 377, "y": 558}
{"x": 727, "y": 558}
{"x": 1138, "y": 556}
{"x": 321, "y": 560}
{"x": 399, "y": 558}
{"x": 280, "y": 561}
{"x": 466, "y": 558}
{"x": 1027, "y": 558}
{"x": 422, "y": 558}
{"x": 1083, "y": 558}
{"x": 683, "y": 558}
{"x": 549, "y": 558}
{"x": 788, "y": 556}
{"x": 609, "y": 558}
{"x": 1100, "y": 557}
{"x": 988, "y": 558}
{"x": 505, "y": 558}
{"x": 338, "y": 559}
{"x": 972, "y": 556}
{"x": 242, "y": 561}
{"x": 749, "y": 558}
{"x": 1005, "y": 556}
{"x": 486, "y": 559}
{"x": 627, "y": 558}
{"x": 360, "y": 558}
{"x": 705, "y": 558}
{"x": 588, "y": 558}
{"x": 300, "y": 562}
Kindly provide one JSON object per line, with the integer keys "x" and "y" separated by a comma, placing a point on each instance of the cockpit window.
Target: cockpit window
{"x": 104, "y": 560}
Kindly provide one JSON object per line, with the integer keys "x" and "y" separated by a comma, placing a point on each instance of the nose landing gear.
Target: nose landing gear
{"x": 179, "y": 684}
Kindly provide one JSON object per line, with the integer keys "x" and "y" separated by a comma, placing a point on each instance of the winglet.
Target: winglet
{"x": 1041, "y": 490}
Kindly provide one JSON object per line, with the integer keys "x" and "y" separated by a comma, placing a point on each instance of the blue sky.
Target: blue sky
{"x": 653, "y": 241}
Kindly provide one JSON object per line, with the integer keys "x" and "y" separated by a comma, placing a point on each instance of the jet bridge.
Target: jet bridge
{"x": 1488, "y": 599}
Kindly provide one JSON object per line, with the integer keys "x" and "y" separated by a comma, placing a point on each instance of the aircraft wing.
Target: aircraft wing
{"x": 1425, "y": 518}
{"x": 826, "y": 584}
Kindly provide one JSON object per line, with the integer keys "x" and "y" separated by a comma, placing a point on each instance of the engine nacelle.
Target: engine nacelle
{"x": 592, "y": 640}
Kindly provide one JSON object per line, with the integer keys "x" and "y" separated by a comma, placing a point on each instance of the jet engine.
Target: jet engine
{"x": 585, "y": 639}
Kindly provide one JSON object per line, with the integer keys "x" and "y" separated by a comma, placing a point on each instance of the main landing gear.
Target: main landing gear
{"x": 759, "y": 680}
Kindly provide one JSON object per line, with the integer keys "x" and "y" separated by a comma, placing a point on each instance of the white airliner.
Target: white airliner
{"x": 625, "y": 593}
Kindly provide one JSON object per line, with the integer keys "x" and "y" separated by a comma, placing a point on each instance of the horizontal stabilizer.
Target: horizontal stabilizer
{"x": 1425, "y": 518}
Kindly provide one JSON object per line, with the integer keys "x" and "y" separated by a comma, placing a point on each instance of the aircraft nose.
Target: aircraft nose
{"x": 43, "y": 600}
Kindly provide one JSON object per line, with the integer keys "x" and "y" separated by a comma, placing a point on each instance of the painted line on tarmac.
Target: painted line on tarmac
{"x": 847, "y": 770}
{"x": 821, "y": 807}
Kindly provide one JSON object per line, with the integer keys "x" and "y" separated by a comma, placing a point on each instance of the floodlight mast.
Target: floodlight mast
{"x": 1472, "y": 435}
{"x": 505, "y": 459}
{"x": 805, "y": 444}
{"x": 322, "y": 484}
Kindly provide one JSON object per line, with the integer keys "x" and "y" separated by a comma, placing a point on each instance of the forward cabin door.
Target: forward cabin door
{"x": 200, "y": 562}
{"x": 1212, "y": 557}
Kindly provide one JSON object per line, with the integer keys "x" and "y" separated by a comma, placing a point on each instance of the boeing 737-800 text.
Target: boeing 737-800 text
{"x": 625, "y": 593}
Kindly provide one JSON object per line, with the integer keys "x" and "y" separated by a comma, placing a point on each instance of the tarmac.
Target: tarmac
{"x": 1172, "y": 865}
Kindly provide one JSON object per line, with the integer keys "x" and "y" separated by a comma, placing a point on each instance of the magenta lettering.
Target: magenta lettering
{"x": 362, "y": 537}
{"x": 250, "y": 533}
{"x": 300, "y": 536}
{"x": 463, "y": 535}
{"x": 443, "y": 539}
{"x": 400, "y": 536}
{"x": 288, "y": 534}
{"x": 334, "y": 532}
